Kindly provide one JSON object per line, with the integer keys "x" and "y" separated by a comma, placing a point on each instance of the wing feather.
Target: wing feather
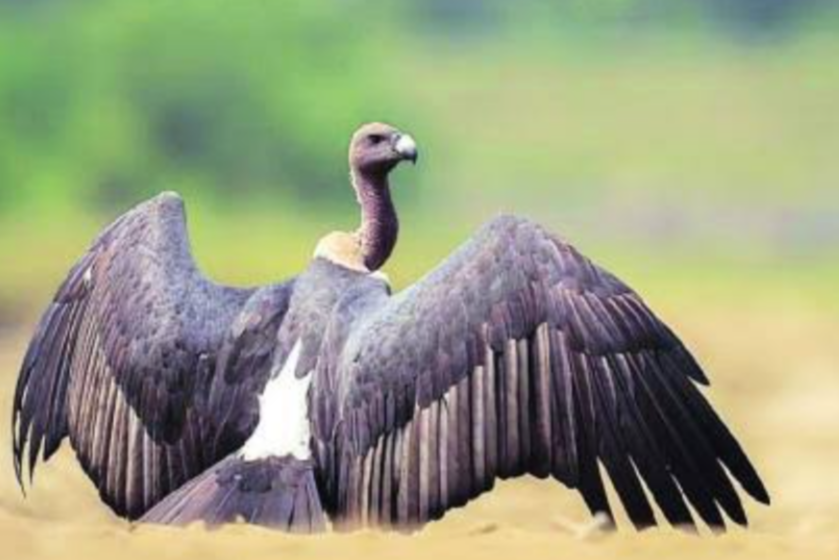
{"x": 519, "y": 355}
{"x": 123, "y": 361}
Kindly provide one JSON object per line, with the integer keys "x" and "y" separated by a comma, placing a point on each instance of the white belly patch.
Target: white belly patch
{"x": 283, "y": 427}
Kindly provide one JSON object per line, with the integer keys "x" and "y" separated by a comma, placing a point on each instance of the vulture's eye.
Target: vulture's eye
{"x": 376, "y": 138}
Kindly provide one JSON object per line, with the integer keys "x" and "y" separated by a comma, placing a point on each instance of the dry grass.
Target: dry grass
{"x": 775, "y": 376}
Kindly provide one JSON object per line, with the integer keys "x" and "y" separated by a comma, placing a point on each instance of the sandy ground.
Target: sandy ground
{"x": 775, "y": 374}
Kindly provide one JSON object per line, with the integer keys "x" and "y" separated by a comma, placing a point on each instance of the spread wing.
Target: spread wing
{"x": 518, "y": 355}
{"x": 124, "y": 362}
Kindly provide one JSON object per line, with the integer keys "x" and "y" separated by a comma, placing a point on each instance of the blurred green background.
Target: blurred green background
{"x": 688, "y": 145}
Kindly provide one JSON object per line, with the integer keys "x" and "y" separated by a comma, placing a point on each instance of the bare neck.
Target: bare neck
{"x": 379, "y": 223}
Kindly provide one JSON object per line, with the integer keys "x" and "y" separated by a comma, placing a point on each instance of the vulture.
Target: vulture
{"x": 328, "y": 402}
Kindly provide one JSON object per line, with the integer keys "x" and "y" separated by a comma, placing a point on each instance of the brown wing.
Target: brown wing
{"x": 124, "y": 359}
{"x": 518, "y": 355}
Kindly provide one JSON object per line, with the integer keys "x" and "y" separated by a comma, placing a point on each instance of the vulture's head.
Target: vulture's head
{"x": 377, "y": 148}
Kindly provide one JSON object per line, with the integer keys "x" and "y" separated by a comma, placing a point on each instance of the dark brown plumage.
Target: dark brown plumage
{"x": 518, "y": 355}
{"x": 327, "y": 397}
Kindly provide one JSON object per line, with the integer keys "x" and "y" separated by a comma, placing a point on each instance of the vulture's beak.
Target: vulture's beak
{"x": 406, "y": 147}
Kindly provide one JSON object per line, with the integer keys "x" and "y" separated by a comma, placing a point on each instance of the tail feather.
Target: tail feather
{"x": 275, "y": 492}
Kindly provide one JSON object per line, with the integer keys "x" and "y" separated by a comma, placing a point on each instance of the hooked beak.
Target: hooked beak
{"x": 406, "y": 147}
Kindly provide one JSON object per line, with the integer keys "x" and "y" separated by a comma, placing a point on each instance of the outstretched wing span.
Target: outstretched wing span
{"x": 518, "y": 355}
{"x": 124, "y": 362}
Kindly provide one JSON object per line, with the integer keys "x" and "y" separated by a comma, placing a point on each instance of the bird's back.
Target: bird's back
{"x": 271, "y": 479}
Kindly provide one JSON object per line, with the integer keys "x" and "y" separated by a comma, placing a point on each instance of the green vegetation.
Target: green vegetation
{"x": 673, "y": 143}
